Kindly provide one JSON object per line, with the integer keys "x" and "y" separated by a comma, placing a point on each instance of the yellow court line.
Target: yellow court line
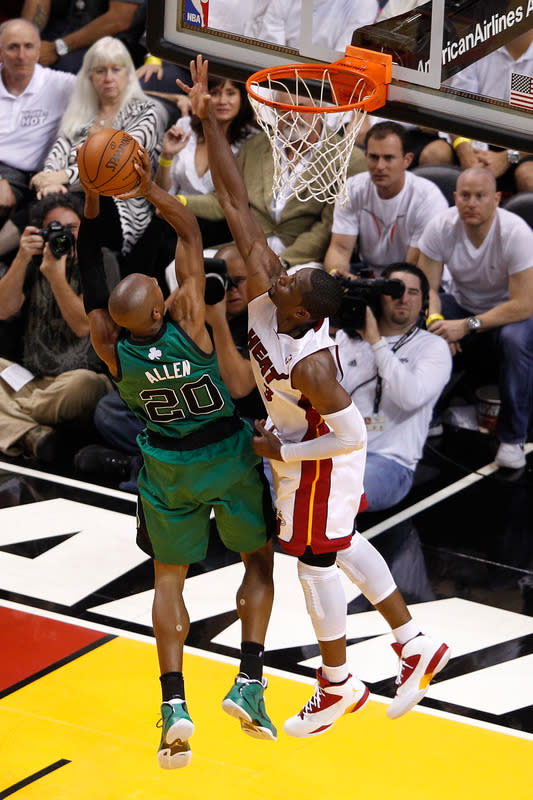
{"x": 99, "y": 712}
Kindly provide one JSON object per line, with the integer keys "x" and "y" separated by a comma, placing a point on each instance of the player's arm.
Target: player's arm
{"x": 188, "y": 307}
{"x": 316, "y": 378}
{"x": 339, "y": 252}
{"x": 262, "y": 264}
{"x": 104, "y": 332}
{"x": 236, "y": 371}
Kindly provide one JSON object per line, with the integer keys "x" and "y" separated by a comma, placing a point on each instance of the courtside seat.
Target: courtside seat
{"x": 444, "y": 175}
{"x": 521, "y": 203}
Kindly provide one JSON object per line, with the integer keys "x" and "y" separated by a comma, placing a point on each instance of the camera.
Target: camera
{"x": 60, "y": 239}
{"x": 216, "y": 280}
{"x": 360, "y": 293}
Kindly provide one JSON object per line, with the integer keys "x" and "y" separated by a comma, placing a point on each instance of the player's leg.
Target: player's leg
{"x": 337, "y": 691}
{"x": 171, "y": 626}
{"x": 175, "y": 535}
{"x": 421, "y": 657}
{"x": 246, "y": 522}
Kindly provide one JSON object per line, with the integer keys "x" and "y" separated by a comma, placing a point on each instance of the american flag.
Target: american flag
{"x": 521, "y": 91}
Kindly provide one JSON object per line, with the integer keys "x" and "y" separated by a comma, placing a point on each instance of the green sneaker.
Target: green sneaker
{"x": 245, "y": 702}
{"x": 177, "y": 727}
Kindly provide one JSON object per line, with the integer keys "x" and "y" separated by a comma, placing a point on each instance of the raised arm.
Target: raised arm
{"x": 262, "y": 264}
{"x": 188, "y": 307}
{"x": 104, "y": 332}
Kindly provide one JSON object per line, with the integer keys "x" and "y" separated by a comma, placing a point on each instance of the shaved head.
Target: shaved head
{"x": 133, "y": 302}
{"x": 478, "y": 173}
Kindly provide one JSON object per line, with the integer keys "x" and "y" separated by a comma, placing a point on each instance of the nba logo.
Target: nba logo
{"x": 196, "y": 12}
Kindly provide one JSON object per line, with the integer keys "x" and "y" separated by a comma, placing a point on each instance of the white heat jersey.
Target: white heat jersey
{"x": 316, "y": 501}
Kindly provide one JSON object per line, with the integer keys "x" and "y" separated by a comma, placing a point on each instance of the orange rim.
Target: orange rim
{"x": 343, "y": 75}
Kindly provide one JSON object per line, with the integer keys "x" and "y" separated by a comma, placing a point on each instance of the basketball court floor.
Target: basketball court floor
{"x": 79, "y": 689}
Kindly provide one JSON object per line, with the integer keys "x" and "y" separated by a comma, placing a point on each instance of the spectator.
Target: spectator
{"x": 107, "y": 95}
{"x": 68, "y": 32}
{"x": 158, "y": 79}
{"x": 297, "y": 231}
{"x": 427, "y": 145}
{"x": 64, "y": 378}
{"x": 334, "y": 22}
{"x": 32, "y": 102}
{"x": 387, "y": 209}
{"x": 183, "y": 170}
{"x": 395, "y": 373}
{"x": 489, "y": 253}
{"x": 491, "y": 77}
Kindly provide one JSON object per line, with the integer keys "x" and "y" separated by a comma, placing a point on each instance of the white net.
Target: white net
{"x": 311, "y": 148}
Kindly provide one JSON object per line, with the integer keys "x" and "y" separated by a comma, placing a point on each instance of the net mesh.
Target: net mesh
{"x": 311, "y": 144}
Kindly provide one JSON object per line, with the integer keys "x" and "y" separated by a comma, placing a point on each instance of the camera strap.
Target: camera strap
{"x": 379, "y": 379}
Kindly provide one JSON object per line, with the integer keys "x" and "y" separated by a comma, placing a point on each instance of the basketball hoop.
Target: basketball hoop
{"x": 304, "y": 109}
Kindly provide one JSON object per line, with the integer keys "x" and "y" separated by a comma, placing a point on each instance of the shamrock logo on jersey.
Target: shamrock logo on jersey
{"x": 154, "y": 353}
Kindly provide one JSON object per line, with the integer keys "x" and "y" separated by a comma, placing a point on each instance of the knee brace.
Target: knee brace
{"x": 325, "y": 600}
{"x": 367, "y": 568}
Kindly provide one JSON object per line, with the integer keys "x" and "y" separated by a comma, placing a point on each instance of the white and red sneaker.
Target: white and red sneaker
{"x": 421, "y": 659}
{"x": 329, "y": 702}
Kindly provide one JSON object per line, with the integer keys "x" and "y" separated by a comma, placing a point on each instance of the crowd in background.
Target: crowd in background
{"x": 64, "y": 77}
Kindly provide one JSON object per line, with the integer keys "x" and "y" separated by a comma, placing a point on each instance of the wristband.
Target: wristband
{"x": 182, "y": 199}
{"x": 460, "y": 140}
{"x": 379, "y": 344}
{"x": 332, "y": 271}
{"x": 153, "y": 60}
{"x": 165, "y": 162}
{"x": 433, "y": 318}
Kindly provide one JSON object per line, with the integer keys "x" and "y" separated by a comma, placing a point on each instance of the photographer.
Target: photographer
{"x": 394, "y": 371}
{"x": 59, "y": 376}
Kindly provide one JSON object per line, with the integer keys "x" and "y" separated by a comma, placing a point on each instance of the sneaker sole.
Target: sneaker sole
{"x": 247, "y": 723}
{"x": 324, "y": 728}
{"x": 437, "y": 663}
{"x": 177, "y": 760}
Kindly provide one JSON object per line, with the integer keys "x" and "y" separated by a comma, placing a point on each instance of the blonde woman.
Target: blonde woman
{"x": 107, "y": 94}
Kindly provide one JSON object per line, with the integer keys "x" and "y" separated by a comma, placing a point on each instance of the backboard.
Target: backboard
{"x": 431, "y": 43}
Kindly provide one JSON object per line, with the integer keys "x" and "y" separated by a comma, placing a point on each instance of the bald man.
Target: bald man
{"x": 489, "y": 253}
{"x": 32, "y": 102}
{"x": 197, "y": 457}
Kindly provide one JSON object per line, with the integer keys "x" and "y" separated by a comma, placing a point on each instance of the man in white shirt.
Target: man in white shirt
{"x": 395, "y": 374}
{"x": 334, "y": 22}
{"x": 489, "y": 253}
{"x": 387, "y": 208}
{"x": 491, "y": 77}
{"x": 32, "y": 102}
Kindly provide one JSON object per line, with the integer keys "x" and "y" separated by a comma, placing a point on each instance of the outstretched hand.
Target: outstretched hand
{"x": 198, "y": 93}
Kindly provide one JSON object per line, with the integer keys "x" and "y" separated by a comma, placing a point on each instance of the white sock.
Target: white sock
{"x": 335, "y": 674}
{"x": 406, "y": 632}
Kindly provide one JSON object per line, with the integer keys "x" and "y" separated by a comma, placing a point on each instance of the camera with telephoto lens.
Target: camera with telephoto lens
{"x": 60, "y": 239}
{"x": 360, "y": 293}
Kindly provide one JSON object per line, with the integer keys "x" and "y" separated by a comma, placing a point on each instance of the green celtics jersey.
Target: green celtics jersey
{"x": 171, "y": 385}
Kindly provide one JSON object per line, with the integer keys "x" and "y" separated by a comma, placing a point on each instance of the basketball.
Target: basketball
{"x": 105, "y": 162}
